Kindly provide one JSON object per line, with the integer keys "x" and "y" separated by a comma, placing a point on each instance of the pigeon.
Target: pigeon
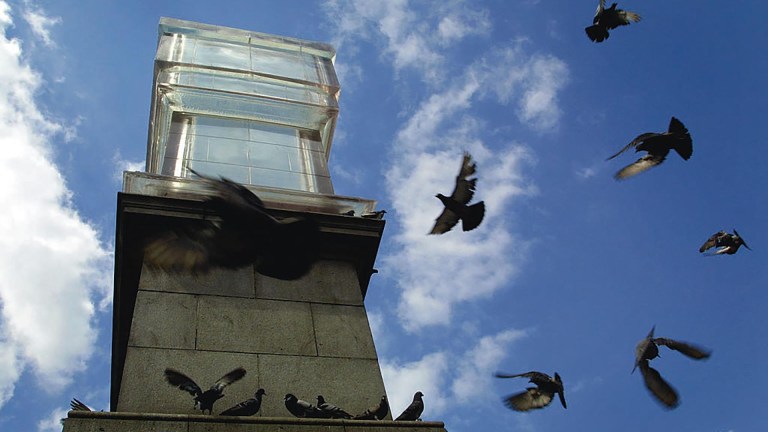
{"x": 608, "y": 19}
{"x": 348, "y": 213}
{"x": 301, "y": 408}
{"x": 647, "y": 350}
{"x": 535, "y": 397}
{"x": 76, "y": 405}
{"x": 414, "y": 410}
{"x": 456, "y": 205}
{"x": 658, "y": 146}
{"x": 246, "y": 408}
{"x": 206, "y": 398}
{"x": 377, "y": 412}
{"x": 331, "y": 411}
{"x": 728, "y": 243}
{"x": 374, "y": 215}
{"x": 246, "y": 234}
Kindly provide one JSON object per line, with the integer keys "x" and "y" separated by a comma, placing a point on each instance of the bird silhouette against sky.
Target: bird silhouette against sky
{"x": 535, "y": 397}
{"x": 608, "y": 19}
{"x": 456, "y": 207}
{"x": 247, "y": 407}
{"x": 647, "y": 350}
{"x": 414, "y": 410}
{"x": 728, "y": 243}
{"x": 658, "y": 146}
{"x": 205, "y": 399}
{"x": 245, "y": 234}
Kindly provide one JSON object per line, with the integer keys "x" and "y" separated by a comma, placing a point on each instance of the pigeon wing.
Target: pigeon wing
{"x": 626, "y": 17}
{"x": 658, "y": 387}
{"x": 599, "y": 11}
{"x": 229, "y": 378}
{"x": 689, "y": 350}
{"x": 183, "y": 382}
{"x": 465, "y": 188}
{"x": 643, "y": 164}
{"x": 711, "y": 241}
{"x": 445, "y": 222}
{"x": 76, "y": 405}
{"x": 640, "y": 138}
{"x": 531, "y": 398}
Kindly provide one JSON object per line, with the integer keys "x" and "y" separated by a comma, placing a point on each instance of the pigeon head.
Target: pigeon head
{"x": 259, "y": 392}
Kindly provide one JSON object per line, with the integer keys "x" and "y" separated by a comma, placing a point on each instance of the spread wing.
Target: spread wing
{"x": 689, "y": 350}
{"x": 643, "y": 164}
{"x": 228, "y": 379}
{"x": 626, "y": 17}
{"x": 76, "y": 405}
{"x": 183, "y": 382}
{"x": 531, "y": 398}
{"x": 640, "y": 138}
{"x": 599, "y": 11}
{"x": 445, "y": 222}
{"x": 465, "y": 188}
{"x": 657, "y": 386}
{"x": 712, "y": 241}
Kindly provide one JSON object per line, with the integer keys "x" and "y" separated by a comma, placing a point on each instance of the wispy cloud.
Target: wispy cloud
{"x": 40, "y": 24}
{"x": 52, "y": 263}
{"x": 53, "y": 422}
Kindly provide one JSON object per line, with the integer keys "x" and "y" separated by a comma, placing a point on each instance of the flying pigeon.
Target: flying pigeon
{"x": 414, "y": 410}
{"x": 246, "y": 234}
{"x": 535, "y": 397}
{"x": 377, "y": 412}
{"x": 608, "y": 19}
{"x": 456, "y": 205}
{"x": 246, "y": 408}
{"x": 206, "y": 398}
{"x": 658, "y": 146}
{"x": 647, "y": 350}
{"x": 76, "y": 405}
{"x": 728, "y": 243}
{"x": 331, "y": 411}
{"x": 301, "y": 408}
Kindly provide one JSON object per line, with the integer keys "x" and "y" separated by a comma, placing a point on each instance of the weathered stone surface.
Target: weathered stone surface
{"x": 342, "y": 331}
{"x": 328, "y": 282}
{"x": 218, "y": 282}
{"x": 121, "y": 425}
{"x": 353, "y": 384}
{"x": 164, "y": 320}
{"x": 144, "y": 388}
{"x": 255, "y": 326}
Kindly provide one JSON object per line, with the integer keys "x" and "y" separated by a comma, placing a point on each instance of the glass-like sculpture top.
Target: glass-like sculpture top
{"x": 255, "y": 108}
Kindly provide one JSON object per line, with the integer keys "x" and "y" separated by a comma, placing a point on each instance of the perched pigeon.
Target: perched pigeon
{"x": 535, "y": 397}
{"x": 378, "y": 412}
{"x": 414, "y": 410}
{"x": 246, "y": 408}
{"x": 658, "y": 146}
{"x": 246, "y": 234}
{"x": 456, "y": 205}
{"x": 648, "y": 349}
{"x": 374, "y": 215}
{"x": 206, "y": 398}
{"x": 331, "y": 411}
{"x": 728, "y": 243}
{"x": 608, "y": 19}
{"x": 301, "y": 408}
{"x": 76, "y": 405}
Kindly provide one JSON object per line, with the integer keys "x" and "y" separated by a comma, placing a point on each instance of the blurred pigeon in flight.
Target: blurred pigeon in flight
{"x": 330, "y": 410}
{"x": 246, "y": 408}
{"x": 647, "y": 349}
{"x": 658, "y": 146}
{"x": 377, "y": 412}
{"x": 456, "y": 205}
{"x": 414, "y": 410}
{"x": 206, "y": 398}
{"x": 246, "y": 234}
{"x": 535, "y": 397}
{"x": 728, "y": 243}
{"x": 301, "y": 408}
{"x": 608, "y": 19}
{"x": 76, "y": 405}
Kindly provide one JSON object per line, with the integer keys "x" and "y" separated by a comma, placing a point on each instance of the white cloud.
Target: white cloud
{"x": 122, "y": 165}
{"x": 53, "y": 422}
{"x": 40, "y": 24}
{"x": 51, "y": 261}
{"x": 427, "y": 375}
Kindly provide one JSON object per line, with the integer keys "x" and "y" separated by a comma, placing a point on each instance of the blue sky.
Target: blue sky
{"x": 569, "y": 269}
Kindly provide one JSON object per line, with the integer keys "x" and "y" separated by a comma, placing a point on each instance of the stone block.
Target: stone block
{"x": 164, "y": 320}
{"x": 255, "y": 326}
{"x": 144, "y": 389}
{"x": 218, "y": 281}
{"x": 328, "y": 282}
{"x": 342, "y": 331}
{"x": 352, "y": 384}
{"x": 122, "y": 425}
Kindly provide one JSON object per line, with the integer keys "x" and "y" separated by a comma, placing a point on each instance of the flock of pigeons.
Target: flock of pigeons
{"x": 242, "y": 232}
